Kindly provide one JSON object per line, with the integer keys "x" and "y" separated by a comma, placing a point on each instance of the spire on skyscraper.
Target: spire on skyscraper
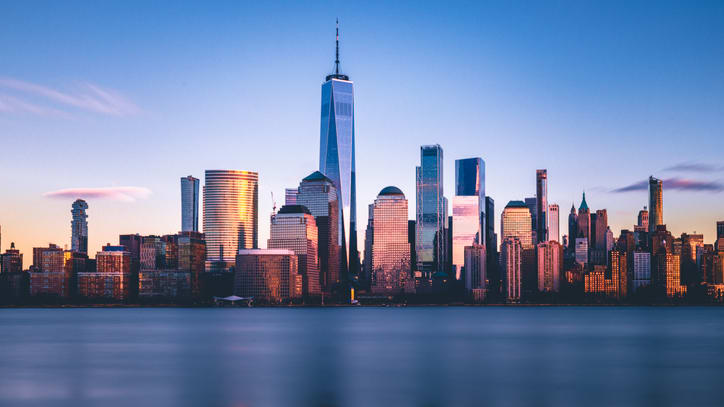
{"x": 584, "y": 205}
{"x": 336, "y": 74}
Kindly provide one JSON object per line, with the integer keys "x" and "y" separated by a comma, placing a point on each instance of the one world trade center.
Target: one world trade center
{"x": 337, "y": 162}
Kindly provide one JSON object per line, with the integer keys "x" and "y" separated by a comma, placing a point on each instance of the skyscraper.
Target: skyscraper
{"x": 79, "y": 227}
{"x": 541, "y": 194}
{"x": 469, "y": 216}
{"x": 584, "y": 220}
{"x": 337, "y": 157}
{"x": 231, "y": 202}
{"x": 476, "y": 279}
{"x": 516, "y": 222}
{"x": 318, "y": 194}
{"x": 430, "y": 212}
{"x": 554, "y": 223}
{"x": 550, "y": 262}
{"x": 643, "y": 219}
{"x": 189, "y": 204}
{"x": 532, "y": 204}
{"x": 656, "y": 204}
{"x": 390, "y": 249}
{"x": 511, "y": 259}
{"x": 720, "y": 229}
{"x": 290, "y": 196}
{"x": 294, "y": 228}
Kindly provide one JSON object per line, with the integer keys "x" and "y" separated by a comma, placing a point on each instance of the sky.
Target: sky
{"x": 130, "y": 96}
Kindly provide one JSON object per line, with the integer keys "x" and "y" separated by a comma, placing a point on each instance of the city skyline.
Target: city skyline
{"x": 31, "y": 220}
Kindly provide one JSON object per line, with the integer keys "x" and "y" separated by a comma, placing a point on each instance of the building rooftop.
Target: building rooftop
{"x": 316, "y": 176}
{"x": 391, "y": 191}
{"x": 294, "y": 209}
{"x": 516, "y": 204}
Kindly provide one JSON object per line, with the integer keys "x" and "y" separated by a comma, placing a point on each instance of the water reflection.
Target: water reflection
{"x": 362, "y": 357}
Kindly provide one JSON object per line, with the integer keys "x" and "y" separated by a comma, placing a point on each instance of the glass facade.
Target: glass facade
{"x": 79, "y": 227}
{"x": 656, "y": 204}
{"x": 516, "y": 222}
{"x": 337, "y": 160}
{"x": 231, "y": 201}
{"x": 189, "y": 204}
{"x": 294, "y": 228}
{"x": 390, "y": 248}
{"x": 469, "y": 215}
{"x": 430, "y": 212}
{"x": 268, "y": 275}
{"x": 541, "y": 195}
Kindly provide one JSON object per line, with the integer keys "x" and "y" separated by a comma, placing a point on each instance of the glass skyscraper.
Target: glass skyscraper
{"x": 231, "y": 202}
{"x": 390, "y": 248}
{"x": 79, "y": 227}
{"x": 469, "y": 219}
{"x": 431, "y": 213}
{"x": 337, "y": 157}
{"x": 516, "y": 222}
{"x": 189, "y": 204}
{"x": 541, "y": 194}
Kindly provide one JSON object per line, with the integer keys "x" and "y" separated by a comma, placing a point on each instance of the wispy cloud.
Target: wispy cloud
{"x": 123, "y": 194}
{"x": 680, "y": 184}
{"x": 84, "y": 96}
{"x": 695, "y": 167}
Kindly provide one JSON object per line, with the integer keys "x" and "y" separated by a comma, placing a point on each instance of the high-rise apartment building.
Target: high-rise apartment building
{"x": 294, "y": 228}
{"x": 469, "y": 216}
{"x": 79, "y": 226}
{"x": 231, "y": 202}
{"x": 475, "y": 269}
{"x": 541, "y": 194}
{"x": 511, "y": 262}
{"x": 532, "y": 204}
{"x": 550, "y": 264}
{"x": 391, "y": 249}
{"x": 431, "y": 213}
{"x": 554, "y": 223}
{"x": 337, "y": 157}
{"x": 643, "y": 219}
{"x": 318, "y": 194}
{"x": 656, "y": 204}
{"x": 189, "y": 204}
{"x": 641, "y": 270}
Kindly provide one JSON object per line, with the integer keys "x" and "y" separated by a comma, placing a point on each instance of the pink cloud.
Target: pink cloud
{"x": 123, "y": 194}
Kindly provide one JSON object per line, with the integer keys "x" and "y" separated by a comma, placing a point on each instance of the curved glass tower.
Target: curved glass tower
{"x": 336, "y": 158}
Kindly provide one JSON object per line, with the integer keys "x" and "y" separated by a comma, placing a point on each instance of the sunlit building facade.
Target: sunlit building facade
{"x": 656, "y": 203}
{"x": 79, "y": 227}
{"x": 231, "y": 202}
{"x": 318, "y": 194}
{"x": 554, "y": 233}
{"x": 112, "y": 278}
{"x": 189, "y": 204}
{"x": 431, "y": 212}
{"x": 469, "y": 216}
{"x": 267, "y": 275}
{"x": 516, "y": 222}
{"x": 550, "y": 264}
{"x": 390, "y": 248}
{"x": 511, "y": 263}
{"x": 475, "y": 269}
{"x": 294, "y": 228}
{"x": 541, "y": 194}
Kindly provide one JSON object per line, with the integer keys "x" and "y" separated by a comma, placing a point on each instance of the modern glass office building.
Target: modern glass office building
{"x": 231, "y": 202}
{"x": 431, "y": 212}
{"x": 189, "y": 204}
{"x": 516, "y": 222}
{"x": 469, "y": 219}
{"x": 337, "y": 157}
{"x": 541, "y": 195}
{"x": 391, "y": 249}
{"x": 79, "y": 227}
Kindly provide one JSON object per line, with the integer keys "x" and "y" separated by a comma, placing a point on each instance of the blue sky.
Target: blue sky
{"x": 602, "y": 94}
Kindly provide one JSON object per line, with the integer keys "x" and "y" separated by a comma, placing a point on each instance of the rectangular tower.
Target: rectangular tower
{"x": 541, "y": 195}
{"x": 430, "y": 212}
{"x": 189, "y": 204}
{"x": 469, "y": 220}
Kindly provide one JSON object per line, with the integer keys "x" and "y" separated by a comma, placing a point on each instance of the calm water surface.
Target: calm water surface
{"x": 457, "y": 356}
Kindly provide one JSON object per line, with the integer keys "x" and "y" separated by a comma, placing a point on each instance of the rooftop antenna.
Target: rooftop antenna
{"x": 336, "y": 61}
{"x": 274, "y": 204}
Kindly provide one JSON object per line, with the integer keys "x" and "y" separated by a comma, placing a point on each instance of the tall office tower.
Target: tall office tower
{"x": 318, "y": 194}
{"x": 391, "y": 249}
{"x": 541, "y": 194}
{"x": 268, "y": 275}
{"x": 515, "y": 222}
{"x": 290, "y": 196}
{"x": 618, "y": 263}
{"x": 641, "y": 270}
{"x": 189, "y": 204}
{"x": 231, "y": 214}
{"x": 643, "y": 219}
{"x": 337, "y": 157}
{"x": 191, "y": 256}
{"x": 490, "y": 244}
{"x": 550, "y": 264}
{"x": 554, "y": 223}
{"x": 656, "y": 204}
{"x": 584, "y": 220}
{"x": 532, "y": 204}
{"x": 572, "y": 229}
{"x": 469, "y": 216}
{"x": 430, "y": 213}
{"x": 511, "y": 260}
{"x": 294, "y": 228}
{"x": 581, "y": 250}
{"x": 476, "y": 279}
{"x": 369, "y": 241}
{"x": 79, "y": 227}
{"x": 598, "y": 230}
{"x": 690, "y": 243}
